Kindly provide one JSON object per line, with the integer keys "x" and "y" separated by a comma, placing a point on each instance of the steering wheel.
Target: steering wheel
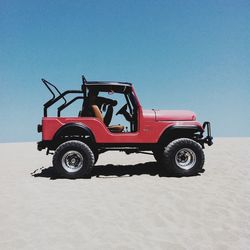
{"x": 122, "y": 110}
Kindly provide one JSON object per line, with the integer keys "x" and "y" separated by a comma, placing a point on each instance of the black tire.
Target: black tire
{"x": 73, "y": 159}
{"x": 96, "y": 155}
{"x": 158, "y": 154}
{"x": 183, "y": 157}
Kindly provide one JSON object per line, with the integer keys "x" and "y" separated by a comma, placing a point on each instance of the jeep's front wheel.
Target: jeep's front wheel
{"x": 183, "y": 157}
{"x": 158, "y": 154}
{"x": 73, "y": 159}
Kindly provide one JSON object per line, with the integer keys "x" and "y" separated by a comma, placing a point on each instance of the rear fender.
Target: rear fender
{"x": 74, "y": 131}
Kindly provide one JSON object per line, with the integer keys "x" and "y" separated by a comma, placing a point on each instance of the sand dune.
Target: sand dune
{"x": 127, "y": 204}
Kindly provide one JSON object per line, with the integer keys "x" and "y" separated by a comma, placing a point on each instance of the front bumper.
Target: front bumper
{"x": 208, "y": 139}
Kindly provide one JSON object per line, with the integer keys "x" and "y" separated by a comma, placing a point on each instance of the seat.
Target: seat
{"x": 98, "y": 115}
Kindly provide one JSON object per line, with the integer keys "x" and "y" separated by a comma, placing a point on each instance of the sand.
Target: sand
{"x": 126, "y": 204}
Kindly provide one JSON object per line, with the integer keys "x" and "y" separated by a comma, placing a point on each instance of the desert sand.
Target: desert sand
{"x": 126, "y": 204}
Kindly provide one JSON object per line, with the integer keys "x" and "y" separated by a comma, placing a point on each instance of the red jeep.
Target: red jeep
{"x": 174, "y": 137}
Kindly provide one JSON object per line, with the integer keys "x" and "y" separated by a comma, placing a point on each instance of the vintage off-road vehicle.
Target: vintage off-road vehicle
{"x": 174, "y": 137}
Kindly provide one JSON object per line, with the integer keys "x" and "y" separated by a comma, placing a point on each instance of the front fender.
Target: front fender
{"x": 178, "y": 131}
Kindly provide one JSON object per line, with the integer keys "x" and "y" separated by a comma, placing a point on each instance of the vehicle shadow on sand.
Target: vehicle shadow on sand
{"x": 112, "y": 171}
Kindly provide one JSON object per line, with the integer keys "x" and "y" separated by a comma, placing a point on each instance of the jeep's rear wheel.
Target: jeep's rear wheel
{"x": 183, "y": 157}
{"x": 96, "y": 155}
{"x": 73, "y": 159}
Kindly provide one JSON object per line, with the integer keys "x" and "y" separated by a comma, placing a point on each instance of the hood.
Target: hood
{"x": 174, "y": 115}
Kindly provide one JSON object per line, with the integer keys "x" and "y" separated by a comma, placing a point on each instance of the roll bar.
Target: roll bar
{"x": 57, "y": 95}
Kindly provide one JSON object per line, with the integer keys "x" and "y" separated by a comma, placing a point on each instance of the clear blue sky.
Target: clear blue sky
{"x": 179, "y": 54}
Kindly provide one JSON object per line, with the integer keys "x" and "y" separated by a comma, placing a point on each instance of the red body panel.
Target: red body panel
{"x": 174, "y": 115}
{"x": 151, "y": 124}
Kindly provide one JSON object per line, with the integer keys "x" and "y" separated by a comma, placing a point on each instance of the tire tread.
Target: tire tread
{"x": 73, "y": 144}
{"x": 168, "y": 152}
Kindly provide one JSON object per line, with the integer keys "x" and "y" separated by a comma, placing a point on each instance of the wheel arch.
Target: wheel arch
{"x": 74, "y": 131}
{"x": 178, "y": 131}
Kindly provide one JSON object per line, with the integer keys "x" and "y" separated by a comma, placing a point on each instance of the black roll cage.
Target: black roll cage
{"x": 60, "y": 96}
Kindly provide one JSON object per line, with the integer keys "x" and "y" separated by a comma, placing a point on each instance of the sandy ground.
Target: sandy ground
{"x": 126, "y": 205}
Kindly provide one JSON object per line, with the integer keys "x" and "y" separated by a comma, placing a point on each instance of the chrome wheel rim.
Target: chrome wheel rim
{"x": 185, "y": 158}
{"x": 72, "y": 161}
